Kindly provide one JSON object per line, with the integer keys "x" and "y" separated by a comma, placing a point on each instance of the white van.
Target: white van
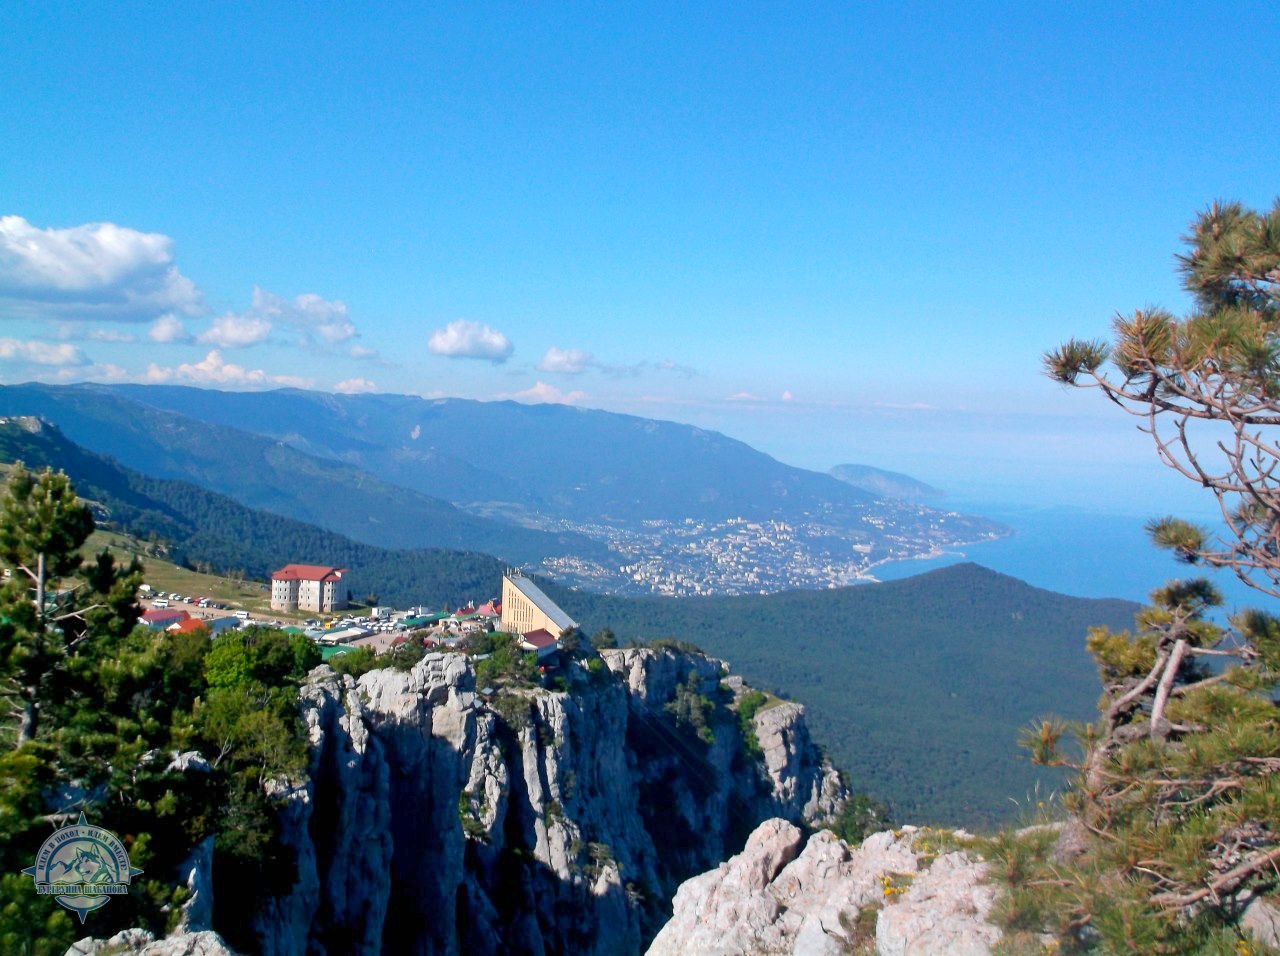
{"x": 159, "y": 603}
{"x": 243, "y": 615}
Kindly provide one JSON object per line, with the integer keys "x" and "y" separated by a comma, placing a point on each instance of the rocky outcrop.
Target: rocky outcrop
{"x": 439, "y": 820}
{"x": 783, "y": 894}
{"x": 944, "y": 911}
{"x": 799, "y": 777}
{"x": 138, "y": 942}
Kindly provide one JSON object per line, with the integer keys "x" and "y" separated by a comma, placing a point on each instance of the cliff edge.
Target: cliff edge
{"x": 441, "y": 819}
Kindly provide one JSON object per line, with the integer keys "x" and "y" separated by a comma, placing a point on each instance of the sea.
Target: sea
{"x": 1079, "y": 552}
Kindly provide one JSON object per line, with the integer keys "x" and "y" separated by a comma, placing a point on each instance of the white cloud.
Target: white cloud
{"x": 744, "y": 397}
{"x": 94, "y": 271}
{"x": 787, "y": 396}
{"x": 41, "y": 353}
{"x": 542, "y": 392}
{"x": 316, "y": 320}
{"x": 92, "y": 373}
{"x": 110, "y": 335}
{"x": 168, "y": 328}
{"x": 362, "y": 352}
{"x": 78, "y": 332}
{"x": 467, "y": 339}
{"x": 353, "y": 386}
{"x": 232, "y": 331}
{"x": 312, "y": 315}
{"x": 568, "y": 361}
{"x": 212, "y": 370}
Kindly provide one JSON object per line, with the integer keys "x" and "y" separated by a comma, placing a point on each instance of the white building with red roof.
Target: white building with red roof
{"x": 308, "y": 587}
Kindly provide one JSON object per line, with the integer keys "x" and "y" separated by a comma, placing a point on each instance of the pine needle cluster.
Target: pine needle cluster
{"x": 1173, "y": 817}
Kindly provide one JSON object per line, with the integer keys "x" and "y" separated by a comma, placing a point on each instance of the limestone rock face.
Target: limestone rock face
{"x": 1262, "y": 919}
{"x": 784, "y": 895}
{"x": 138, "y": 942}
{"x": 197, "y": 911}
{"x": 438, "y": 821}
{"x": 944, "y": 911}
{"x": 799, "y": 778}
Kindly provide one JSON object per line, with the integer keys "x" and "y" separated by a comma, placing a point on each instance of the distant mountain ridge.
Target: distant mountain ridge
{"x": 583, "y": 463}
{"x": 269, "y": 474}
{"x": 885, "y": 484}
{"x": 605, "y": 501}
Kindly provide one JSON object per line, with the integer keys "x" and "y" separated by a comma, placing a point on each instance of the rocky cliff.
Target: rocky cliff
{"x": 908, "y": 892}
{"x": 440, "y": 820}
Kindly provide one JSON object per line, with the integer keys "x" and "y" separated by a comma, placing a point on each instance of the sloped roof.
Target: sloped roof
{"x": 539, "y": 639}
{"x": 543, "y": 603}
{"x": 307, "y": 572}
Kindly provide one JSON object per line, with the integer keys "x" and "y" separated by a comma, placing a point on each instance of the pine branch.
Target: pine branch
{"x": 1228, "y": 881}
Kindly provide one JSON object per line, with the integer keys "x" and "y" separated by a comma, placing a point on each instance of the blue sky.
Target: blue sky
{"x": 840, "y": 232}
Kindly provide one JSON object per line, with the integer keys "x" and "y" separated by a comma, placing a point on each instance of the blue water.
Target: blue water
{"x": 1078, "y": 552}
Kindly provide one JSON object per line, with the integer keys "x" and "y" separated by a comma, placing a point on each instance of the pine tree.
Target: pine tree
{"x": 50, "y": 602}
{"x": 1176, "y": 806}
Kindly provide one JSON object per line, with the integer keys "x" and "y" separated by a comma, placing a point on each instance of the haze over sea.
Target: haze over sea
{"x": 1079, "y": 552}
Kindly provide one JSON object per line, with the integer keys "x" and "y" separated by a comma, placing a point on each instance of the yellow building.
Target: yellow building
{"x": 526, "y": 609}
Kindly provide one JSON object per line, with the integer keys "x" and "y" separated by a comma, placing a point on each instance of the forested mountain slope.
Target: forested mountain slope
{"x": 263, "y": 472}
{"x": 199, "y": 525}
{"x": 919, "y": 687}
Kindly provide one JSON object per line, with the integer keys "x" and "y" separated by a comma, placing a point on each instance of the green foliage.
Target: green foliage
{"x": 674, "y": 644}
{"x": 507, "y": 664}
{"x": 266, "y": 655}
{"x": 513, "y": 709}
{"x": 403, "y": 658}
{"x": 604, "y": 639}
{"x": 750, "y": 704}
{"x": 357, "y": 662}
{"x": 100, "y": 705}
{"x": 49, "y": 604}
{"x": 1177, "y": 786}
{"x": 365, "y": 659}
{"x": 692, "y": 709}
{"x": 570, "y": 641}
{"x": 599, "y": 858}
{"x": 470, "y": 806}
{"x": 859, "y": 817}
{"x": 115, "y": 703}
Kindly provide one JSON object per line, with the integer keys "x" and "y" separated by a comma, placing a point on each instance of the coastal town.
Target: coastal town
{"x": 742, "y": 555}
